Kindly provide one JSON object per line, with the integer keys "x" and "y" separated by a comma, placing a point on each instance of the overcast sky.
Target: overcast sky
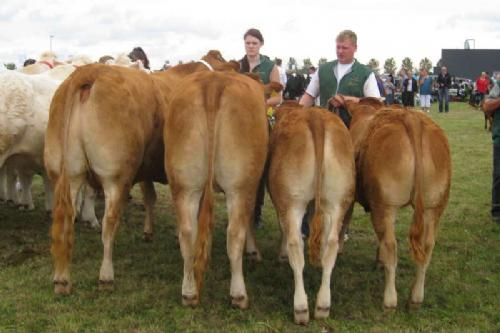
{"x": 187, "y": 29}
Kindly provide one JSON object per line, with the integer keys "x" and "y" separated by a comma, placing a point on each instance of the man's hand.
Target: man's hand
{"x": 339, "y": 100}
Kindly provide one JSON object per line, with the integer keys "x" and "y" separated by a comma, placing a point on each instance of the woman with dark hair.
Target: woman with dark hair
{"x": 254, "y": 62}
{"x": 139, "y": 54}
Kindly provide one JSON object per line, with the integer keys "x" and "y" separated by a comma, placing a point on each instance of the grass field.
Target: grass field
{"x": 462, "y": 289}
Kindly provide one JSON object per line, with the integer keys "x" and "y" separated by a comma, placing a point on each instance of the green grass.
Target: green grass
{"x": 462, "y": 290}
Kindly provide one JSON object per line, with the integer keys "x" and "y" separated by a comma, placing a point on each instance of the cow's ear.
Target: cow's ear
{"x": 235, "y": 65}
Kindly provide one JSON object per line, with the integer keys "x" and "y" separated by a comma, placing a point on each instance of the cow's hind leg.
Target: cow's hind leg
{"x": 295, "y": 248}
{"x": 115, "y": 194}
{"x": 383, "y": 219}
{"x": 332, "y": 223}
{"x": 431, "y": 220}
{"x": 240, "y": 212}
{"x": 186, "y": 205}
{"x": 149, "y": 194}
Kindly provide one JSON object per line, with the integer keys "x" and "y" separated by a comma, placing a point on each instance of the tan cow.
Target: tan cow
{"x": 216, "y": 135}
{"x": 402, "y": 158}
{"x": 105, "y": 130}
{"x": 311, "y": 158}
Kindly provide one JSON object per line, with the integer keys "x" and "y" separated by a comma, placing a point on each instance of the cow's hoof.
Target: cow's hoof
{"x": 301, "y": 316}
{"x": 413, "y": 307}
{"x": 240, "y": 302}
{"x": 190, "y": 300}
{"x": 389, "y": 310}
{"x": 254, "y": 256}
{"x": 148, "y": 237}
{"x": 62, "y": 287}
{"x": 107, "y": 285}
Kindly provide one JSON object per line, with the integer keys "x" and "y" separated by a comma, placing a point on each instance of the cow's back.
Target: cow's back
{"x": 386, "y": 159}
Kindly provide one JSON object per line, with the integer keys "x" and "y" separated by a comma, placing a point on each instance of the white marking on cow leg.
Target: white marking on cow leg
{"x": 49, "y": 193}
{"x": 295, "y": 246}
{"x": 114, "y": 200}
{"x": 239, "y": 212}
{"x": 187, "y": 212}
{"x": 87, "y": 213}
{"x": 431, "y": 219}
{"x": 332, "y": 224}
{"x": 149, "y": 194}
{"x": 383, "y": 219}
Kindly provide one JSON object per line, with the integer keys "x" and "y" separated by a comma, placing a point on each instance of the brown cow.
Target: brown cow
{"x": 216, "y": 135}
{"x": 105, "y": 129}
{"x": 402, "y": 158}
{"x": 311, "y": 158}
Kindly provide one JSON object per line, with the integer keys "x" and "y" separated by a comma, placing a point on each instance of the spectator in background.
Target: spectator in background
{"x": 425, "y": 85}
{"x": 28, "y": 62}
{"x": 444, "y": 84}
{"x": 409, "y": 88}
{"x": 282, "y": 72}
{"x": 138, "y": 54}
{"x": 482, "y": 87}
{"x": 491, "y": 106}
{"x": 295, "y": 86}
{"x": 389, "y": 89}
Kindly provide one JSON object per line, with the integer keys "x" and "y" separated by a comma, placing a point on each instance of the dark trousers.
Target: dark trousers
{"x": 444, "y": 98}
{"x": 408, "y": 98}
{"x": 495, "y": 191}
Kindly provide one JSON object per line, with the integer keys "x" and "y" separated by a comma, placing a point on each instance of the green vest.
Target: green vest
{"x": 264, "y": 69}
{"x": 351, "y": 84}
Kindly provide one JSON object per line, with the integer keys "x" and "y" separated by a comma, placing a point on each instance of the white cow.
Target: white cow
{"x": 24, "y": 107}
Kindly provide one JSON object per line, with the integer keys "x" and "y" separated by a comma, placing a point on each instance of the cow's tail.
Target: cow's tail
{"x": 414, "y": 129}
{"x": 317, "y": 128}
{"x": 211, "y": 95}
{"x": 76, "y": 90}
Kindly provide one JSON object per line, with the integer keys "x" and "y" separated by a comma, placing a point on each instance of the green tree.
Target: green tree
{"x": 322, "y": 61}
{"x": 390, "y": 66}
{"x": 426, "y": 64}
{"x": 407, "y": 64}
{"x": 307, "y": 63}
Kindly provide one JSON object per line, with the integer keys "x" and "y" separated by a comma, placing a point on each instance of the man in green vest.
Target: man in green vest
{"x": 344, "y": 76}
{"x": 491, "y": 106}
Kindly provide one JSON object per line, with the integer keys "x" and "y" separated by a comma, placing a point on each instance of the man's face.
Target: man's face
{"x": 345, "y": 51}
{"x": 444, "y": 70}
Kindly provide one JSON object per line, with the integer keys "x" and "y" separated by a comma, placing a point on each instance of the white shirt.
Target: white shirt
{"x": 283, "y": 77}
{"x": 370, "y": 88}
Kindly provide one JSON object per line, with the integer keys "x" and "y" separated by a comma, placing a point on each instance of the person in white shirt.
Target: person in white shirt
{"x": 282, "y": 72}
{"x": 344, "y": 76}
